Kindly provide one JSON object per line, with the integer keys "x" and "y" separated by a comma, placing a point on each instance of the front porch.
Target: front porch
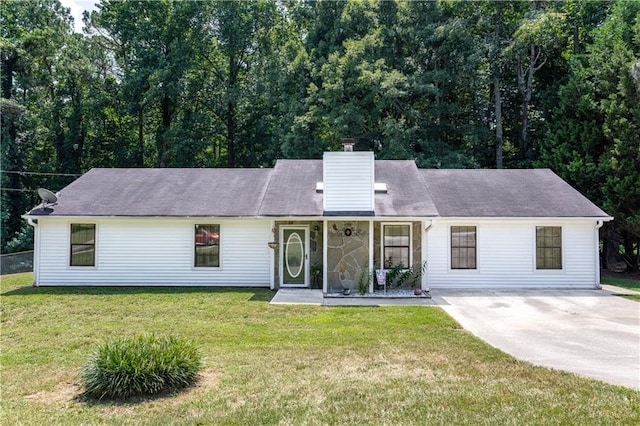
{"x": 341, "y": 256}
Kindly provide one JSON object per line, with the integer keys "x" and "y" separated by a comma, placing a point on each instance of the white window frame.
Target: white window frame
{"x": 193, "y": 246}
{"x": 535, "y": 249}
{"x": 95, "y": 245}
{"x": 450, "y": 247}
{"x": 382, "y": 259}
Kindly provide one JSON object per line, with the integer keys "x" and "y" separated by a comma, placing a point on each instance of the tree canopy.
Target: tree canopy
{"x": 450, "y": 84}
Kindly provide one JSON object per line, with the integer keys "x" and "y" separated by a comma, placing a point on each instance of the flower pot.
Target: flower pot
{"x": 417, "y": 291}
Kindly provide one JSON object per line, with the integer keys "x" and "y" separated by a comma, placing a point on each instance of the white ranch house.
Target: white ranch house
{"x": 317, "y": 223}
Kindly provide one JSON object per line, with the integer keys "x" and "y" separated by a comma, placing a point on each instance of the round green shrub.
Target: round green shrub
{"x": 140, "y": 365}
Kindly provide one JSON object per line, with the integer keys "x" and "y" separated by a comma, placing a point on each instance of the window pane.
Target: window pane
{"x": 548, "y": 247}
{"x": 82, "y": 247}
{"x": 463, "y": 247}
{"x": 397, "y": 244}
{"x": 472, "y": 258}
{"x": 82, "y": 234}
{"x": 82, "y": 255}
{"x": 207, "y": 245}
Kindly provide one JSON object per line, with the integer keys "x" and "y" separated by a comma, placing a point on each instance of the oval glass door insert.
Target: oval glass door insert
{"x": 294, "y": 256}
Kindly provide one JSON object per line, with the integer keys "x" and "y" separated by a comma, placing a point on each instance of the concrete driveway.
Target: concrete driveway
{"x": 589, "y": 332}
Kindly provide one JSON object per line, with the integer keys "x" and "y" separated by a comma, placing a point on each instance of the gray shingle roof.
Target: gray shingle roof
{"x": 506, "y": 193}
{"x": 406, "y": 194}
{"x": 163, "y": 192}
{"x": 292, "y": 189}
{"x": 289, "y": 189}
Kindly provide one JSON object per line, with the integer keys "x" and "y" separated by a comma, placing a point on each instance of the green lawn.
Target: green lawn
{"x": 621, "y": 282}
{"x": 629, "y": 283}
{"x": 269, "y": 364}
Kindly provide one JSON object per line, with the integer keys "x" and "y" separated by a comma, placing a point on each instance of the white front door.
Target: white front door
{"x": 294, "y": 256}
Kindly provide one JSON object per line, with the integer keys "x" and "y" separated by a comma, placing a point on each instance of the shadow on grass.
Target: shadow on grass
{"x": 253, "y": 294}
{"x": 132, "y": 400}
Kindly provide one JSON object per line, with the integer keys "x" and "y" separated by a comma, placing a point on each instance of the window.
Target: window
{"x": 207, "y": 245}
{"x": 548, "y": 247}
{"x": 396, "y": 247}
{"x": 463, "y": 247}
{"x": 83, "y": 244}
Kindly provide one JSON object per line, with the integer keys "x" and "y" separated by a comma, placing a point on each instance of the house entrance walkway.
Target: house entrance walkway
{"x": 304, "y": 296}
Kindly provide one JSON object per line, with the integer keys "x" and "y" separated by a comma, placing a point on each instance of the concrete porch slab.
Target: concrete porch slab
{"x": 377, "y": 301}
{"x": 297, "y": 296}
{"x": 305, "y": 296}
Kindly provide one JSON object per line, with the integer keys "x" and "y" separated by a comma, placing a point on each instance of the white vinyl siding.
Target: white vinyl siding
{"x": 157, "y": 252}
{"x": 506, "y": 256}
{"x": 348, "y": 181}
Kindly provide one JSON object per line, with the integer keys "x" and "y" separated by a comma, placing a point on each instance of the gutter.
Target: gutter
{"x": 428, "y": 227}
{"x": 36, "y": 248}
{"x": 596, "y": 237}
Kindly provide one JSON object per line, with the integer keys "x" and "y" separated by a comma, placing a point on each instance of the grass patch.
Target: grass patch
{"x": 631, "y": 283}
{"x": 140, "y": 366}
{"x": 625, "y": 282}
{"x": 274, "y": 364}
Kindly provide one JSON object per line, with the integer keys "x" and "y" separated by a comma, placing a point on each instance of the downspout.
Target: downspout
{"x": 427, "y": 226}
{"x": 36, "y": 250}
{"x": 596, "y": 237}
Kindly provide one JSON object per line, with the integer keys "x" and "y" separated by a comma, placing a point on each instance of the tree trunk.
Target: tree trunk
{"x": 524, "y": 132}
{"x": 166, "y": 124}
{"x": 231, "y": 112}
{"x": 525, "y": 83}
{"x": 231, "y": 135}
{"x": 498, "y": 113}
{"x": 140, "y": 160}
{"x": 7, "y": 77}
{"x": 497, "y": 96}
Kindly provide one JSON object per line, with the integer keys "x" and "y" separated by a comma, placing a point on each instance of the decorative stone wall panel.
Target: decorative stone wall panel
{"x": 347, "y": 253}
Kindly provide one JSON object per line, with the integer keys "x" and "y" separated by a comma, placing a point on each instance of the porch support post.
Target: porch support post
{"x": 426, "y": 226}
{"x": 325, "y": 242}
{"x": 370, "y": 254}
{"x": 272, "y": 259}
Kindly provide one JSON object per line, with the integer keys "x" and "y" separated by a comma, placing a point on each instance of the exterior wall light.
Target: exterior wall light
{"x": 273, "y": 244}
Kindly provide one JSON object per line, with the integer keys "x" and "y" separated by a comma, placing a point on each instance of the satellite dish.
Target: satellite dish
{"x": 47, "y": 196}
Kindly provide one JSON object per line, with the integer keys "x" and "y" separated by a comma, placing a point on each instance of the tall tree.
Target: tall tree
{"x": 539, "y": 36}
{"x": 32, "y": 34}
{"x": 592, "y": 137}
{"x": 238, "y": 36}
{"x": 155, "y": 45}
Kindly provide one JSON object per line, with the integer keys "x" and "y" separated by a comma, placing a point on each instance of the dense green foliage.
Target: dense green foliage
{"x": 240, "y": 84}
{"x": 140, "y": 366}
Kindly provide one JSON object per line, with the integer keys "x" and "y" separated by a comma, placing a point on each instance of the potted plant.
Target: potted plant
{"x": 417, "y": 279}
{"x": 363, "y": 281}
{"x": 316, "y": 271}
